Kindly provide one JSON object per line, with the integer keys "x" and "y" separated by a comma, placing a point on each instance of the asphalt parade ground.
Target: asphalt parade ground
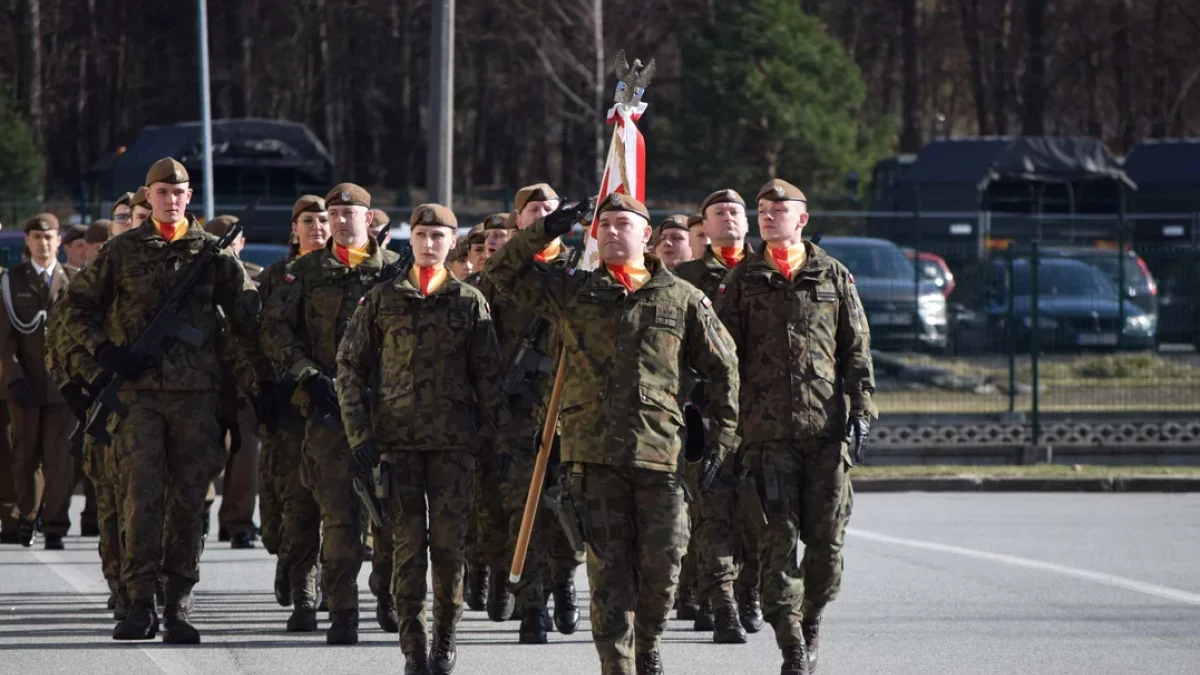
{"x": 934, "y": 583}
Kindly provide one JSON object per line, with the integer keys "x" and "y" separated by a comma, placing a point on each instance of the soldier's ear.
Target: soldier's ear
{"x": 647, "y": 234}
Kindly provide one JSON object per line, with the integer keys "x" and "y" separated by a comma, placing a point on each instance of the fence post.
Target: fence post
{"x": 1010, "y": 321}
{"x": 1120, "y": 265}
{"x": 916, "y": 316}
{"x": 1034, "y": 330}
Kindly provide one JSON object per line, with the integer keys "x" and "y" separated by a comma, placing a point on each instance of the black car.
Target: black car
{"x": 1078, "y": 308}
{"x": 902, "y": 311}
{"x": 1140, "y": 287}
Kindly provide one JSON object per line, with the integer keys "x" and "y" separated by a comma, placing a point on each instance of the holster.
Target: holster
{"x": 561, "y": 502}
{"x": 370, "y": 502}
{"x": 382, "y": 476}
{"x": 751, "y": 500}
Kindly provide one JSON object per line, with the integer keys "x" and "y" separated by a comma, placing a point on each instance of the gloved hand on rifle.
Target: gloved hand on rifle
{"x": 857, "y": 430}
{"x": 697, "y": 451}
{"x": 558, "y": 223}
{"x": 123, "y": 361}
{"x": 77, "y": 400}
{"x": 322, "y": 392}
{"x": 364, "y": 457}
{"x": 267, "y": 406}
{"x": 22, "y": 394}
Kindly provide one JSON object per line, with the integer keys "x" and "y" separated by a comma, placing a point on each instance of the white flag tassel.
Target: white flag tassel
{"x": 624, "y": 169}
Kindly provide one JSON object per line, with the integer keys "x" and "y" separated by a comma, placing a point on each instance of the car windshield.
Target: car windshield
{"x": 871, "y": 260}
{"x": 1063, "y": 279}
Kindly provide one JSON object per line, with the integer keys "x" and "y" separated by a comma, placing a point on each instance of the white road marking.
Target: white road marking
{"x": 171, "y": 662}
{"x": 1088, "y": 575}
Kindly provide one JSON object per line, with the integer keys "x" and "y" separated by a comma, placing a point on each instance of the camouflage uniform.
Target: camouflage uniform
{"x": 409, "y": 371}
{"x": 721, "y": 541}
{"x": 626, "y": 356}
{"x": 549, "y": 557}
{"x": 804, "y": 346}
{"x": 170, "y": 436}
{"x": 302, "y": 325}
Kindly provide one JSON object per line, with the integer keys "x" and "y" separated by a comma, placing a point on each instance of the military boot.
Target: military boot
{"x": 477, "y": 591}
{"x": 533, "y": 630}
{"x": 750, "y": 609}
{"x": 444, "y": 653}
{"x": 28, "y": 528}
{"x": 385, "y": 614}
{"x": 810, "y": 627}
{"x": 178, "y": 630}
{"x": 54, "y": 542}
{"x": 140, "y": 624}
{"x": 704, "y": 618}
{"x": 686, "y": 606}
{"x": 303, "y": 618}
{"x": 499, "y": 601}
{"x": 794, "y": 661}
{"x": 566, "y": 613}
{"x": 121, "y": 610}
{"x": 343, "y": 627}
{"x": 649, "y": 663}
{"x": 416, "y": 663}
{"x": 283, "y": 585}
{"x": 726, "y": 628}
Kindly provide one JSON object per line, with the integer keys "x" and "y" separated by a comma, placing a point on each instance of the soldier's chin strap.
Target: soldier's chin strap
{"x": 22, "y": 327}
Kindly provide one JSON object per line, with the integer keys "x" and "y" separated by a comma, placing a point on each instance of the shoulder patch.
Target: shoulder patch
{"x": 850, "y": 276}
{"x": 487, "y": 309}
{"x": 720, "y": 289}
{"x": 570, "y": 271}
{"x": 289, "y": 278}
{"x": 706, "y": 302}
{"x": 362, "y": 300}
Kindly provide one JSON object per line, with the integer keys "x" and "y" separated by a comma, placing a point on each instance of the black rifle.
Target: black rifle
{"x": 528, "y": 363}
{"x": 165, "y": 323}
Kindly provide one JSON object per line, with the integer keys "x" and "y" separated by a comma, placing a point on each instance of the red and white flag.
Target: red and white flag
{"x": 624, "y": 170}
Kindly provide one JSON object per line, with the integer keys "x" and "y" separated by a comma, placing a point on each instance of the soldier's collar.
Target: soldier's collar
{"x": 375, "y": 261}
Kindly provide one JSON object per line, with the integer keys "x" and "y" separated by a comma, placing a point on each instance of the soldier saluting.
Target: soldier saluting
{"x": 427, "y": 340}
{"x": 804, "y": 346}
{"x": 631, "y": 330}
{"x": 170, "y": 435}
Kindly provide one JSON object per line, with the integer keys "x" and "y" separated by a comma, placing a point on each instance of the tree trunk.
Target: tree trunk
{"x": 1033, "y": 94}
{"x": 30, "y": 88}
{"x": 598, "y": 88}
{"x": 910, "y": 134}
{"x": 1121, "y": 74}
{"x": 1004, "y": 70}
{"x": 1158, "y": 83}
{"x": 326, "y": 111}
{"x": 242, "y": 103}
{"x": 968, "y": 17}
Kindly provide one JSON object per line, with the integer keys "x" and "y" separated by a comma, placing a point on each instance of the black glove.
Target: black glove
{"x": 122, "y": 361}
{"x": 77, "y": 400}
{"x": 323, "y": 393}
{"x": 365, "y": 457}
{"x": 21, "y": 392}
{"x": 710, "y": 468}
{"x": 231, "y": 427}
{"x": 267, "y": 407}
{"x": 694, "y": 433}
{"x": 857, "y": 430}
{"x": 560, "y": 222}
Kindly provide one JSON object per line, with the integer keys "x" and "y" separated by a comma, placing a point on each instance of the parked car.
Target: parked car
{"x": 902, "y": 311}
{"x": 1140, "y": 286}
{"x": 934, "y": 268}
{"x": 1078, "y": 308}
{"x": 263, "y": 254}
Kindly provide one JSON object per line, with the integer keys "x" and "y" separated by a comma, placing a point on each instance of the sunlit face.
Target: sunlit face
{"x": 311, "y": 230}
{"x": 432, "y": 243}
{"x": 168, "y": 201}
{"x": 534, "y": 210}
{"x": 76, "y": 253}
{"x": 782, "y": 222}
{"x": 122, "y": 216}
{"x": 477, "y": 254}
{"x": 673, "y": 247}
{"x": 350, "y": 224}
{"x": 622, "y": 237}
{"x": 43, "y": 246}
{"x": 698, "y": 240}
{"x": 461, "y": 268}
{"x": 725, "y": 223}
{"x": 496, "y": 239}
{"x": 140, "y": 214}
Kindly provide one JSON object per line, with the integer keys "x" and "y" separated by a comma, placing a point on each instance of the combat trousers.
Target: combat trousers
{"x": 8, "y": 490}
{"x": 239, "y": 489}
{"x": 637, "y": 533}
{"x": 300, "y": 529}
{"x": 327, "y": 472}
{"x": 723, "y": 543}
{"x": 808, "y": 499}
{"x": 432, "y": 495}
{"x": 487, "y": 536}
{"x": 687, "y": 567}
{"x": 39, "y": 439}
{"x": 166, "y": 452}
{"x": 96, "y": 468}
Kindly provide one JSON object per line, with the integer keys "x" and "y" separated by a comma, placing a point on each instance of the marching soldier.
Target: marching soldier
{"x": 427, "y": 342}
{"x": 804, "y": 346}
{"x": 235, "y": 519}
{"x": 671, "y": 243}
{"x": 697, "y": 239}
{"x": 548, "y": 551}
{"x": 498, "y": 231}
{"x": 170, "y": 435}
{"x": 721, "y": 541}
{"x": 302, "y": 326}
{"x": 40, "y": 419}
{"x": 291, "y": 517}
{"x": 457, "y": 262}
{"x": 632, "y": 331}
{"x": 74, "y": 246}
{"x": 96, "y": 236}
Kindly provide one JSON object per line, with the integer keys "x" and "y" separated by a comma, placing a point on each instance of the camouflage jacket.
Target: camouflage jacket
{"x": 431, "y": 357}
{"x": 511, "y": 320}
{"x": 803, "y": 346}
{"x": 626, "y": 356}
{"x": 706, "y": 272}
{"x": 307, "y": 314}
{"x": 116, "y": 295}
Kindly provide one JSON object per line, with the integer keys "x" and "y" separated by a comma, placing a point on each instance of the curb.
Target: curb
{"x": 1019, "y": 484}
